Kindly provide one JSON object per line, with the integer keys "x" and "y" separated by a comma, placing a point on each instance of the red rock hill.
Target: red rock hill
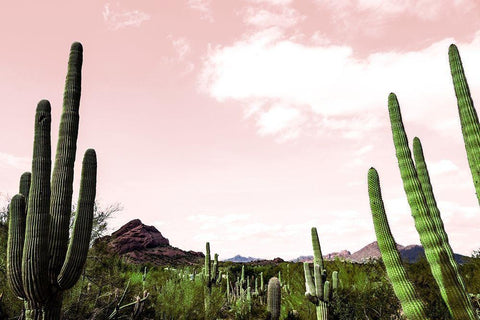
{"x": 140, "y": 243}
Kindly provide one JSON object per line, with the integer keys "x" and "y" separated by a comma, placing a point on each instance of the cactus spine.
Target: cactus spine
{"x": 40, "y": 214}
{"x": 274, "y": 297}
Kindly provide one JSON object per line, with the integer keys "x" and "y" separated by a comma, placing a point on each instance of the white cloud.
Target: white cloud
{"x": 279, "y": 118}
{"x": 330, "y": 87}
{"x": 422, "y": 9}
{"x": 273, "y": 2}
{"x": 204, "y": 7}
{"x": 425, "y": 9}
{"x": 285, "y": 18}
{"x": 118, "y": 18}
{"x": 440, "y": 167}
{"x": 9, "y": 160}
{"x": 182, "y": 49}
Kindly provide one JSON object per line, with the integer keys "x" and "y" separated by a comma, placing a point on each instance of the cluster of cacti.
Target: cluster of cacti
{"x": 239, "y": 294}
{"x": 137, "y": 305}
{"x": 317, "y": 287}
{"x": 424, "y": 209}
{"x": 41, "y": 262}
{"x": 259, "y": 288}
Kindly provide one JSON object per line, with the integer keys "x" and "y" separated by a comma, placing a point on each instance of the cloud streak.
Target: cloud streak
{"x": 118, "y": 18}
{"x": 204, "y": 7}
{"x": 9, "y": 160}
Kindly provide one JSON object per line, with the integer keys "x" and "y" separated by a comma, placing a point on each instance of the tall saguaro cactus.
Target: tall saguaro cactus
{"x": 427, "y": 219}
{"x": 42, "y": 261}
{"x": 412, "y": 306}
{"x": 317, "y": 288}
{"x": 468, "y": 116}
{"x": 211, "y": 276}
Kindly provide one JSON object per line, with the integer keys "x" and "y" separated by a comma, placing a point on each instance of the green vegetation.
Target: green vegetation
{"x": 53, "y": 271}
{"x": 363, "y": 290}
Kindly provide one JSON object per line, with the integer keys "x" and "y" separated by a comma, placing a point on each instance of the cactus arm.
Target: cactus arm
{"x": 82, "y": 228}
{"x": 427, "y": 189}
{"x": 242, "y": 277}
{"x": 207, "y": 262}
{"x": 309, "y": 285}
{"x": 62, "y": 177}
{"x": 35, "y": 261}
{"x": 411, "y": 304}
{"x": 317, "y": 275}
{"x": 326, "y": 291}
{"x": 317, "y": 249}
{"x": 456, "y": 299}
{"x": 214, "y": 268}
{"x": 424, "y": 179}
{"x": 25, "y": 184}
{"x": 468, "y": 116}
{"x": 16, "y": 237}
{"x": 262, "y": 285}
{"x": 334, "y": 281}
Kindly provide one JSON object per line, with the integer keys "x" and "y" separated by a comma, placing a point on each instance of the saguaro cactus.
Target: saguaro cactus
{"x": 317, "y": 288}
{"x": 427, "y": 219}
{"x": 274, "y": 298}
{"x": 468, "y": 116}
{"x": 412, "y": 306}
{"x": 211, "y": 276}
{"x": 42, "y": 262}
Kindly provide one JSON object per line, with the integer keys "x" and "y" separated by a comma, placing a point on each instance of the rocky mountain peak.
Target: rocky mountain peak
{"x": 137, "y": 236}
{"x": 140, "y": 243}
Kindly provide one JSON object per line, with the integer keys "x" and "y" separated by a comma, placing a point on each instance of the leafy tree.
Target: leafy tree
{"x": 101, "y": 215}
{"x": 4, "y": 207}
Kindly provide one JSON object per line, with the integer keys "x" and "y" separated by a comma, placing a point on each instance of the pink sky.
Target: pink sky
{"x": 247, "y": 122}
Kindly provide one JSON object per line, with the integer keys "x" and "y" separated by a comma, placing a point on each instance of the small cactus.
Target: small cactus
{"x": 274, "y": 297}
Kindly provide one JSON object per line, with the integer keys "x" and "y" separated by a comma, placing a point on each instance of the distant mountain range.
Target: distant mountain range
{"x": 410, "y": 254}
{"x": 140, "y": 243}
{"x": 242, "y": 259}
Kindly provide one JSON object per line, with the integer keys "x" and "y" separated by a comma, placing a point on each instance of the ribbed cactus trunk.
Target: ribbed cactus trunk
{"x": 468, "y": 116}
{"x": 412, "y": 306}
{"x": 427, "y": 219}
{"x": 211, "y": 276}
{"x": 41, "y": 261}
{"x": 274, "y": 298}
{"x": 317, "y": 288}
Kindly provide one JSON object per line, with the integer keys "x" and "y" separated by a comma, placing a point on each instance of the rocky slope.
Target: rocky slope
{"x": 139, "y": 243}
